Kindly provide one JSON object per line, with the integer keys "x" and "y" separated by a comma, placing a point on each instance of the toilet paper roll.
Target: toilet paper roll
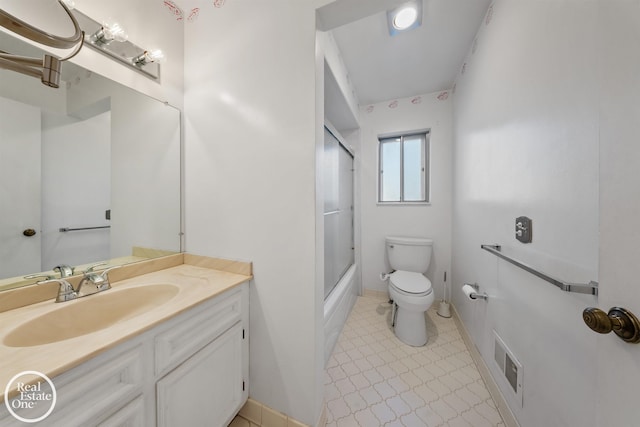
{"x": 468, "y": 291}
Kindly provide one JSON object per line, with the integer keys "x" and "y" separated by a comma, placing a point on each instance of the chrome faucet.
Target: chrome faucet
{"x": 66, "y": 291}
{"x": 64, "y": 269}
{"x": 100, "y": 280}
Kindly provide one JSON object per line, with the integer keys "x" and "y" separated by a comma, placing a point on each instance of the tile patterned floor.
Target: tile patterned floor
{"x": 372, "y": 379}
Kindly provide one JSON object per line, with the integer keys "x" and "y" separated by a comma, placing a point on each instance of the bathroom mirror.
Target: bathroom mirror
{"x": 89, "y": 172}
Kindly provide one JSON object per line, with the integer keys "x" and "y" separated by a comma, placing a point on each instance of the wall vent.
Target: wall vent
{"x": 509, "y": 366}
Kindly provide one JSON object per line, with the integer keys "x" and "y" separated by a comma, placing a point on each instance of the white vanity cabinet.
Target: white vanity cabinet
{"x": 202, "y": 364}
{"x": 206, "y": 390}
{"x": 187, "y": 371}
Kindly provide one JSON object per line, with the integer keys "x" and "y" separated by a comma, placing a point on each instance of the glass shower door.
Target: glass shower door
{"x": 338, "y": 211}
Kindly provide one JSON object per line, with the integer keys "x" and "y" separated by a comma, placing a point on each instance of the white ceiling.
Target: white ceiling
{"x": 424, "y": 60}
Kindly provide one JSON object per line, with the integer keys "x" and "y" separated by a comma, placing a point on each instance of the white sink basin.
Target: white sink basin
{"x": 90, "y": 314}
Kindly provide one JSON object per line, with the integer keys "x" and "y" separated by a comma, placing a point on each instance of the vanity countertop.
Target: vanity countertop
{"x": 198, "y": 279}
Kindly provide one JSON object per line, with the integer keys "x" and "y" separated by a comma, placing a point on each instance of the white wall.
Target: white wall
{"x": 526, "y": 143}
{"x": 250, "y": 182}
{"x": 425, "y": 111}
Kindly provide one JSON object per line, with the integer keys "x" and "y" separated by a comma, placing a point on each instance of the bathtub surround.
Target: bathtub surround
{"x": 337, "y": 308}
{"x": 337, "y": 109}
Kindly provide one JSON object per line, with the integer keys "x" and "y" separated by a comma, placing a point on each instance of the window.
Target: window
{"x": 403, "y": 168}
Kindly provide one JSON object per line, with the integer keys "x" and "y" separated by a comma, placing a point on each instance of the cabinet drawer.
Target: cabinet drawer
{"x": 131, "y": 415}
{"x": 94, "y": 390}
{"x": 190, "y": 333}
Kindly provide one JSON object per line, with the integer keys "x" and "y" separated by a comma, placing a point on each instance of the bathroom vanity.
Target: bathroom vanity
{"x": 172, "y": 351}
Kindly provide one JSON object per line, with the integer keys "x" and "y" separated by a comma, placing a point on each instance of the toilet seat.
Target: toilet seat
{"x": 410, "y": 283}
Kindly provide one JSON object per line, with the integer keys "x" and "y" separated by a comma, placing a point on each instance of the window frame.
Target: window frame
{"x": 426, "y": 167}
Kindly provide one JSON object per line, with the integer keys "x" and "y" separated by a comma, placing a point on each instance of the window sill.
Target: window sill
{"x": 403, "y": 203}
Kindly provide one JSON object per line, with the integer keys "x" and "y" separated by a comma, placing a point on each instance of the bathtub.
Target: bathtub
{"x": 337, "y": 307}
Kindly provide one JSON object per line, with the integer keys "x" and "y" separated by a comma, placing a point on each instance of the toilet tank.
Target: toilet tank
{"x": 409, "y": 253}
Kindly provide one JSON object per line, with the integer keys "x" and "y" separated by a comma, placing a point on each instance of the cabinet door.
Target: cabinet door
{"x": 207, "y": 389}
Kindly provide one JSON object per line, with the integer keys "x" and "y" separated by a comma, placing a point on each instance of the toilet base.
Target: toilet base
{"x": 410, "y": 327}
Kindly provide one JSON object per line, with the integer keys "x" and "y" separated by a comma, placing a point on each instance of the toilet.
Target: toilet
{"x": 409, "y": 289}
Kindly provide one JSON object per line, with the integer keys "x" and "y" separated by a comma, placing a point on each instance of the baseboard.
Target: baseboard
{"x": 501, "y": 404}
{"x": 322, "y": 421}
{"x": 255, "y": 414}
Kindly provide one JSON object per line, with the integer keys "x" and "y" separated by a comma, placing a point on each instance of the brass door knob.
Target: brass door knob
{"x": 619, "y": 320}
{"x": 29, "y": 232}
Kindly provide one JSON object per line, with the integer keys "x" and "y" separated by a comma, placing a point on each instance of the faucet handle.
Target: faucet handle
{"x": 92, "y": 267}
{"x": 104, "y": 284}
{"x": 107, "y": 270}
{"x": 66, "y": 291}
{"x": 64, "y": 270}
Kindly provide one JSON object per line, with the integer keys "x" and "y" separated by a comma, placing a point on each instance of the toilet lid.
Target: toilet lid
{"x": 410, "y": 282}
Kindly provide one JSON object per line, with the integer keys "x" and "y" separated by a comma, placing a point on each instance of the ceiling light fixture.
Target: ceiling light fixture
{"x": 405, "y": 17}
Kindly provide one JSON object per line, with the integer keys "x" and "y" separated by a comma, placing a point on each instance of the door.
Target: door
{"x": 20, "y": 144}
{"x": 618, "y": 367}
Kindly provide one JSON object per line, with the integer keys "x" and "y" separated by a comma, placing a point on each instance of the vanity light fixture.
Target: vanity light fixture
{"x": 110, "y": 39}
{"x": 48, "y": 67}
{"x": 405, "y": 17}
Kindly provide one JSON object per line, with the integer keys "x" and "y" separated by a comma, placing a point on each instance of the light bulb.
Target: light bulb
{"x": 155, "y": 55}
{"x": 111, "y": 31}
{"x": 70, "y": 4}
{"x": 405, "y": 18}
{"x": 148, "y": 56}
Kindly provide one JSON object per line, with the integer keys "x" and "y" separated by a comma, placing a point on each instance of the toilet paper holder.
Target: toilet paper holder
{"x": 477, "y": 294}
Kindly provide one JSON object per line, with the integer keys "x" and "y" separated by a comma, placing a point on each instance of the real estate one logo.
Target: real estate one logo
{"x": 35, "y": 398}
